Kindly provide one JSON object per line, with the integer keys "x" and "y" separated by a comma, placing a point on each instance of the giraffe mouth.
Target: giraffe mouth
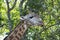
{"x": 41, "y": 23}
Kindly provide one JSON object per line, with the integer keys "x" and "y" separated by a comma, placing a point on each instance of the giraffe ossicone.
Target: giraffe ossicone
{"x": 29, "y": 19}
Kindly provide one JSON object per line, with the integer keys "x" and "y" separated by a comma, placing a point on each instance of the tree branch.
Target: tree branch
{"x": 44, "y": 29}
{"x": 2, "y": 25}
{"x": 8, "y": 13}
{"x": 21, "y": 6}
{"x": 7, "y": 4}
{"x": 48, "y": 27}
{"x": 13, "y": 5}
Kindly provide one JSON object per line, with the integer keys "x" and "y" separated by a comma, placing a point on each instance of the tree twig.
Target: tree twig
{"x": 44, "y": 29}
{"x": 21, "y": 7}
{"x": 8, "y": 13}
{"x": 13, "y": 5}
{"x": 48, "y": 27}
{"x": 2, "y": 25}
{"x": 7, "y": 4}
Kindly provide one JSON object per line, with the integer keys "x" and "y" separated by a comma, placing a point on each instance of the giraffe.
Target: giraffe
{"x": 26, "y": 21}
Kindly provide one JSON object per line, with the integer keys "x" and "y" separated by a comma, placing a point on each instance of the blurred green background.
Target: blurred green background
{"x": 48, "y": 10}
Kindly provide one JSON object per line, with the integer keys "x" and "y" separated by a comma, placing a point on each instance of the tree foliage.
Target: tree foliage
{"x": 48, "y": 10}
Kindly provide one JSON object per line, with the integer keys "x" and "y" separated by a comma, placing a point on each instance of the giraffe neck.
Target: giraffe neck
{"x": 18, "y": 32}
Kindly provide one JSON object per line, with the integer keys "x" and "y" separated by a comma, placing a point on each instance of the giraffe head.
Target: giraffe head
{"x": 32, "y": 19}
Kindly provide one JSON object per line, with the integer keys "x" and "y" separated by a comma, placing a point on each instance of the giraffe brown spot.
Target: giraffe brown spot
{"x": 19, "y": 34}
{"x": 23, "y": 27}
{"x": 17, "y": 37}
{"x": 20, "y": 29}
{"x": 11, "y": 37}
{"x": 14, "y": 39}
{"x": 15, "y": 31}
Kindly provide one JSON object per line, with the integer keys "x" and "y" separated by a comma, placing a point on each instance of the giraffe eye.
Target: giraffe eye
{"x": 31, "y": 17}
